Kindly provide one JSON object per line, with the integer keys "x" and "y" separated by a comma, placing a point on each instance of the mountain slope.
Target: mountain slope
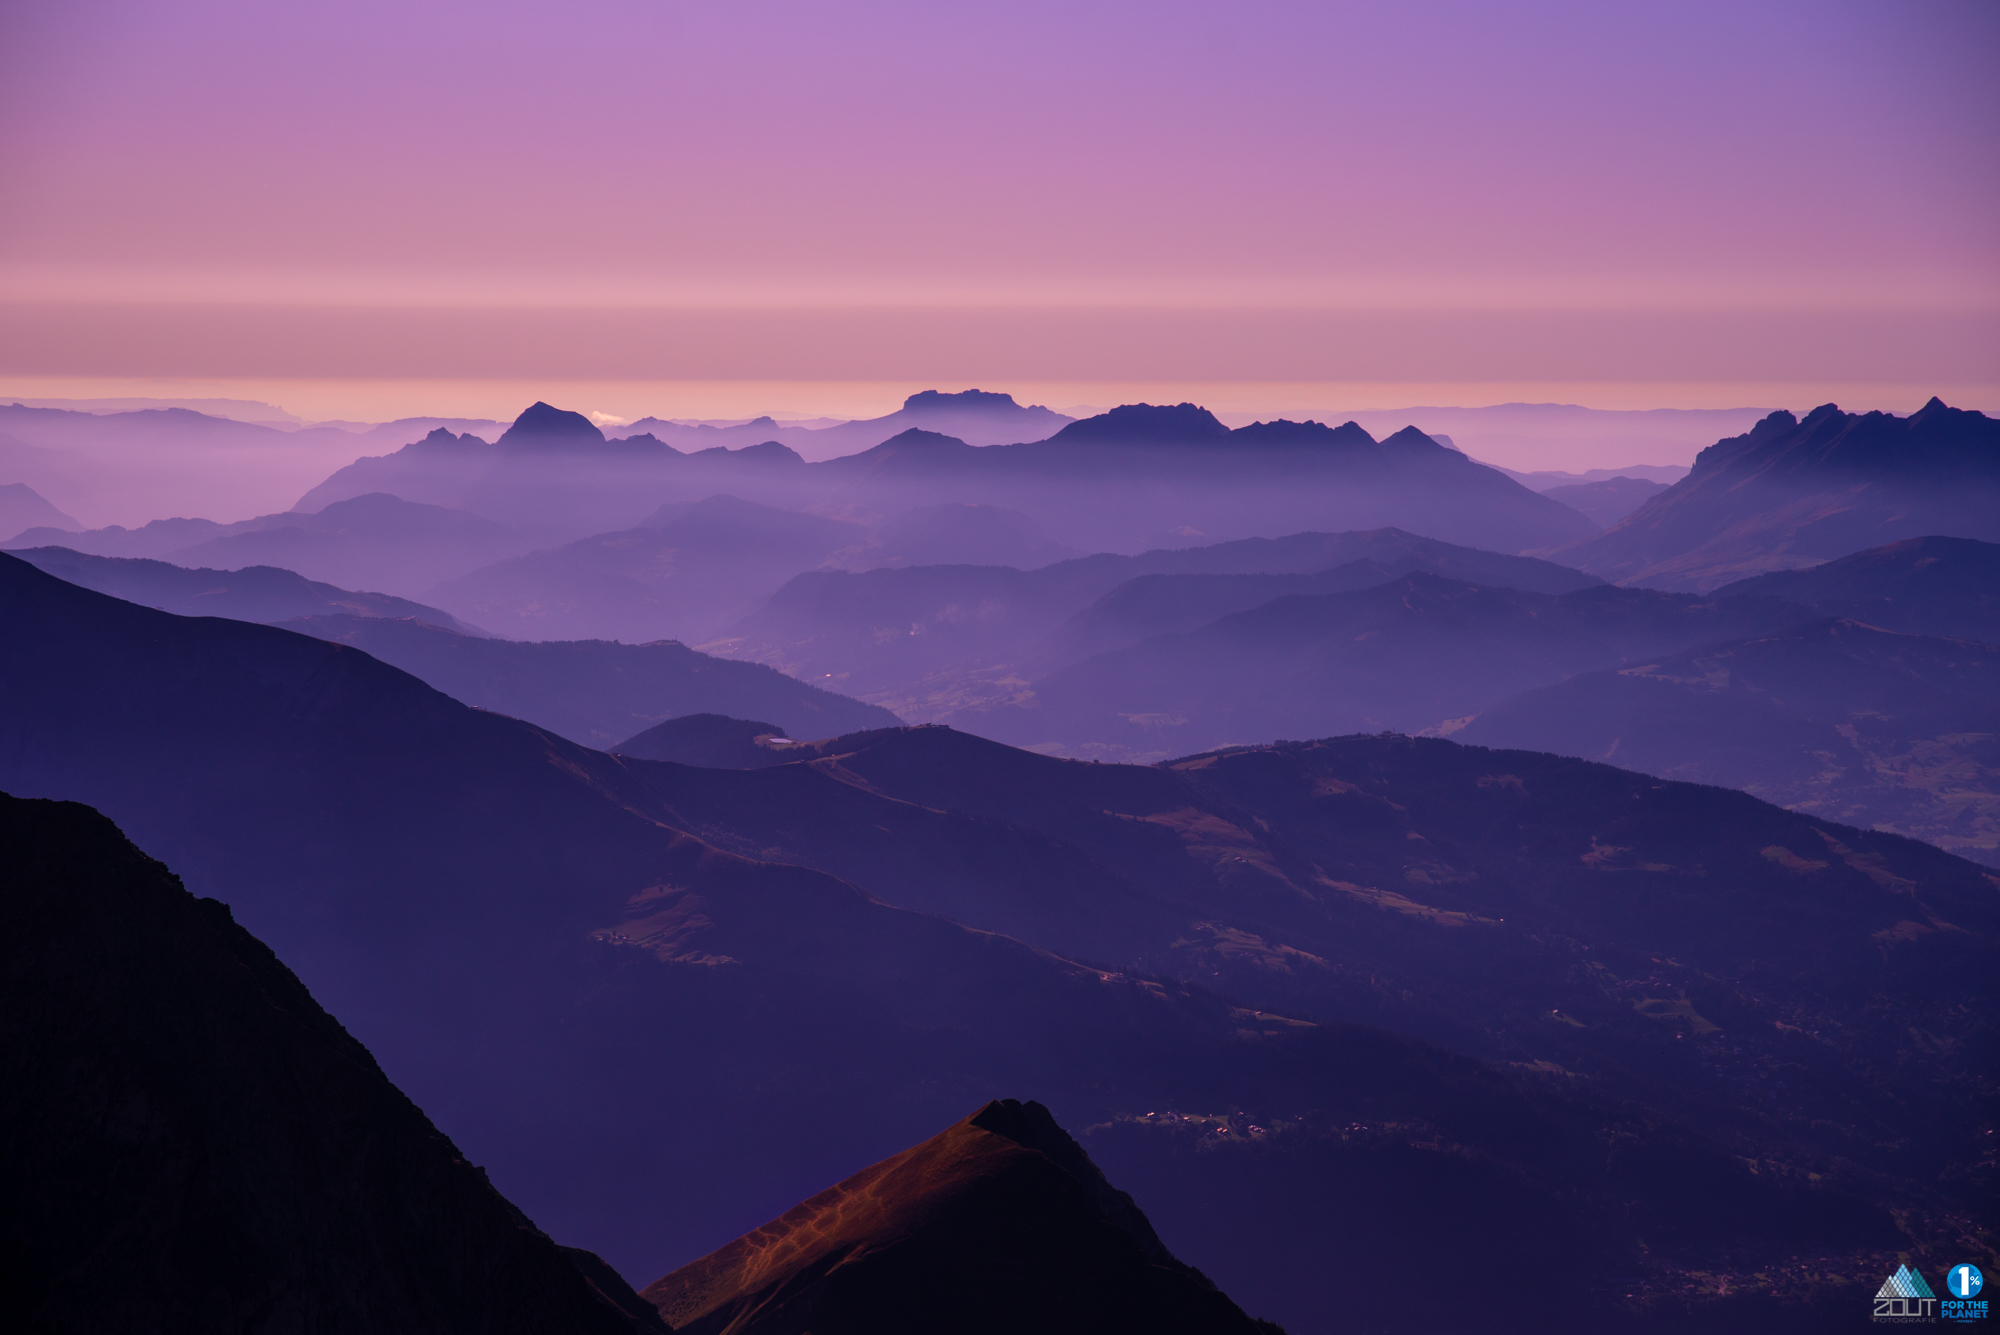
{"x": 1839, "y": 719}
{"x": 193, "y": 1144}
{"x": 887, "y": 633}
{"x": 594, "y": 692}
{"x": 374, "y": 541}
{"x": 999, "y": 1223}
{"x": 686, "y": 572}
{"x": 22, "y": 507}
{"x": 1796, "y": 492}
{"x": 1925, "y": 586}
{"x": 613, "y": 1013}
{"x": 1412, "y": 654}
{"x": 255, "y": 593}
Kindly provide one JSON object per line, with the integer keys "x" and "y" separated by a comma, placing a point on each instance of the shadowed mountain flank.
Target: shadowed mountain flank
{"x": 1924, "y": 586}
{"x": 254, "y": 593}
{"x": 1795, "y": 492}
{"x": 1839, "y": 719}
{"x": 193, "y": 1144}
{"x": 712, "y": 741}
{"x": 1000, "y": 1223}
{"x": 594, "y": 692}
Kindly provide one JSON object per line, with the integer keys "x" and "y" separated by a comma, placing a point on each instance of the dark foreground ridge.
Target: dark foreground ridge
{"x": 194, "y": 1145}
{"x": 1000, "y": 1223}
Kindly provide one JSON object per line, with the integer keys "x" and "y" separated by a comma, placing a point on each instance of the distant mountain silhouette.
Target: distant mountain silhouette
{"x": 1797, "y": 492}
{"x": 1838, "y": 719}
{"x": 999, "y": 1224}
{"x": 593, "y": 692}
{"x": 1926, "y": 586}
{"x": 1408, "y": 655}
{"x": 22, "y": 507}
{"x": 614, "y": 1012}
{"x": 374, "y": 541}
{"x": 254, "y": 593}
{"x": 918, "y": 632}
{"x": 1120, "y": 480}
{"x": 1607, "y": 501}
{"x": 542, "y": 427}
{"x": 1145, "y": 424}
{"x": 974, "y": 416}
{"x": 687, "y": 571}
{"x": 193, "y": 1144}
{"x": 1149, "y": 605}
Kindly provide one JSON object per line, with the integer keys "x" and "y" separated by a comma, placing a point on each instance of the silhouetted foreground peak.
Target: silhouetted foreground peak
{"x": 1000, "y": 1223}
{"x": 194, "y": 1145}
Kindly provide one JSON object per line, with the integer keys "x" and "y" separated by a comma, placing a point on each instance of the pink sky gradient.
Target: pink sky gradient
{"x": 1740, "y": 195}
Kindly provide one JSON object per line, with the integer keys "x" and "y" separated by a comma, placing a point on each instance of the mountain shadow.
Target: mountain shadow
{"x": 194, "y": 1144}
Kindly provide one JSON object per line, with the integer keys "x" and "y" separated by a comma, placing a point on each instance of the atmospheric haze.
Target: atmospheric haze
{"x": 1101, "y": 669}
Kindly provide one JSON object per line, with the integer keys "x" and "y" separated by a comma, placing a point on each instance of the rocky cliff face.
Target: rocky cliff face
{"x": 192, "y": 1144}
{"x": 999, "y": 1223}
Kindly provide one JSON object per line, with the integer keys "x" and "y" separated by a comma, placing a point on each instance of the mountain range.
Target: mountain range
{"x": 926, "y": 640}
{"x": 1127, "y": 479}
{"x": 974, "y": 416}
{"x": 1796, "y": 492}
{"x": 685, "y": 572}
{"x": 620, "y": 983}
{"x": 254, "y": 593}
{"x": 376, "y": 541}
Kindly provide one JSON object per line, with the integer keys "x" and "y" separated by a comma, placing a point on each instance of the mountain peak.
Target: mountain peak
{"x": 975, "y": 400}
{"x": 1409, "y": 437}
{"x": 541, "y": 422}
{"x": 1148, "y": 424}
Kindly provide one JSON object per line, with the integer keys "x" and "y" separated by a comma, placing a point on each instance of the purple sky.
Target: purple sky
{"x": 1732, "y": 202}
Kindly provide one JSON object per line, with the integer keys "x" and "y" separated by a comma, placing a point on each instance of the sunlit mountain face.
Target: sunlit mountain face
{"x": 1103, "y": 669}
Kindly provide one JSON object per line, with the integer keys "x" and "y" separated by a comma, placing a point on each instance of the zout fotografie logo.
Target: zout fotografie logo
{"x": 1904, "y": 1297}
